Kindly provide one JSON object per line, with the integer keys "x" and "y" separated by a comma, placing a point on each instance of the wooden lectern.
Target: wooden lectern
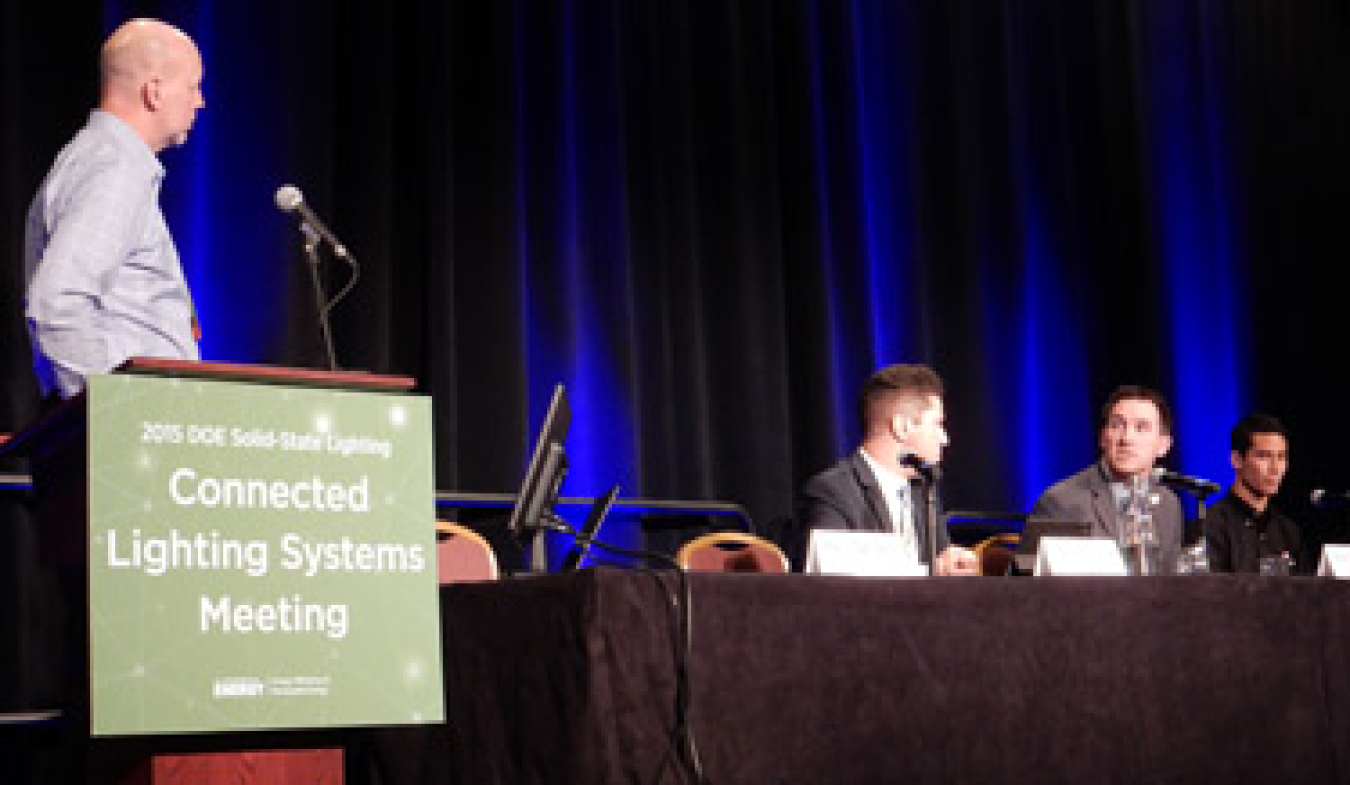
{"x": 57, "y": 450}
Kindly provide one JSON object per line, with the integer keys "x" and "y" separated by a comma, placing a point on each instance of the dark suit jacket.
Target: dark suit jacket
{"x": 1086, "y": 496}
{"x": 847, "y": 496}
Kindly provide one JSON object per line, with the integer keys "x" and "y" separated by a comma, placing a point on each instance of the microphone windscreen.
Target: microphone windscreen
{"x": 288, "y": 198}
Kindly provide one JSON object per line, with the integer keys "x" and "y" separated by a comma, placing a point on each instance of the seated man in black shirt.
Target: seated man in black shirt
{"x": 1243, "y": 527}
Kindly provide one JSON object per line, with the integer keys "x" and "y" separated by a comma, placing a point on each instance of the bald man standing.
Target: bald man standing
{"x": 104, "y": 280}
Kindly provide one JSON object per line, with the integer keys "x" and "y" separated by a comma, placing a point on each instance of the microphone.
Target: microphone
{"x": 1330, "y": 500}
{"x": 1192, "y": 484}
{"x": 290, "y": 200}
{"x": 930, "y": 471}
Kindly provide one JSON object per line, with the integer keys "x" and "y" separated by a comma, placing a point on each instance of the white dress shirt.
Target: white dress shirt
{"x": 895, "y": 490}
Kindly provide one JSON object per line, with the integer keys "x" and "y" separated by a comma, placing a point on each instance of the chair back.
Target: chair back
{"x": 463, "y": 555}
{"x": 996, "y": 553}
{"x": 731, "y": 552}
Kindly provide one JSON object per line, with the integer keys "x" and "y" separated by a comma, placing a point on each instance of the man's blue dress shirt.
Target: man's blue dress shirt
{"x": 104, "y": 280}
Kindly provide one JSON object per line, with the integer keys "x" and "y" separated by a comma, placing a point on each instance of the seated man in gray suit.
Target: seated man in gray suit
{"x": 1136, "y": 432}
{"x": 901, "y": 412}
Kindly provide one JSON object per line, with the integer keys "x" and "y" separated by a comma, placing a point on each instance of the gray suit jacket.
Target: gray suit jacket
{"x": 1086, "y": 496}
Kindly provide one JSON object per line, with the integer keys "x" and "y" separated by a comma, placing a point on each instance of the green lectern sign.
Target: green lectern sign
{"x": 260, "y": 556}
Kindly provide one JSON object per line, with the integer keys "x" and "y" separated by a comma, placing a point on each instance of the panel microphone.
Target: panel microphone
{"x": 1330, "y": 500}
{"x": 290, "y": 200}
{"x": 1193, "y": 484}
{"x": 928, "y": 470}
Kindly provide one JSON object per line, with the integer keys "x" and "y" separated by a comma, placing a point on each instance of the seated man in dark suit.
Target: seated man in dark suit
{"x": 901, "y": 412}
{"x": 1243, "y": 527}
{"x": 1136, "y": 433}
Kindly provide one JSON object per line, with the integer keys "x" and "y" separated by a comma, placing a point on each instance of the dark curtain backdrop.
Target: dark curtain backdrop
{"x": 712, "y": 220}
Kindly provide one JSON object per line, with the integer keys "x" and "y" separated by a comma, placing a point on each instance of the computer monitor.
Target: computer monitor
{"x": 572, "y": 561}
{"x": 543, "y": 477}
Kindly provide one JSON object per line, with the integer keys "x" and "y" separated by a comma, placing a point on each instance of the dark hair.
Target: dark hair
{"x": 896, "y": 383}
{"x": 1241, "y": 438}
{"x": 1137, "y": 392}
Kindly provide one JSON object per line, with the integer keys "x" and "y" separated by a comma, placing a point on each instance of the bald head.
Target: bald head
{"x": 150, "y": 76}
{"x": 141, "y": 49}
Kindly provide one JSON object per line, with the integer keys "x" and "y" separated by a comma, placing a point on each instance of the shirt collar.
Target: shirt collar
{"x": 1117, "y": 488}
{"x": 890, "y": 482}
{"x": 114, "y": 127}
{"x": 1246, "y": 510}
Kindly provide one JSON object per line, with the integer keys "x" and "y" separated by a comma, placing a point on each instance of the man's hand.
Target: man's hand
{"x": 956, "y": 560}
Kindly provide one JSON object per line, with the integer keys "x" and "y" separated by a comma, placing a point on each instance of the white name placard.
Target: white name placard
{"x": 1335, "y": 561}
{"x": 865, "y": 554}
{"x": 1078, "y": 556}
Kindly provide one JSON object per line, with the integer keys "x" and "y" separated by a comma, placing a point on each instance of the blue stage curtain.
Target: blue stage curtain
{"x": 712, "y": 220}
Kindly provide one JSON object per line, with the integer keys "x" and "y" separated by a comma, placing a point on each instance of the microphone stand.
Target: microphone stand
{"x": 930, "y": 497}
{"x": 1200, "y": 512}
{"x": 928, "y": 474}
{"x": 1196, "y": 555}
{"x": 320, "y": 302}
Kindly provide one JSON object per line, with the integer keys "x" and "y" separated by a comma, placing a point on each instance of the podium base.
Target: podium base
{"x": 271, "y": 766}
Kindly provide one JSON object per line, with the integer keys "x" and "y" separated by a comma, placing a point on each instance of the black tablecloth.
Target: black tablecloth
{"x": 816, "y": 679}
